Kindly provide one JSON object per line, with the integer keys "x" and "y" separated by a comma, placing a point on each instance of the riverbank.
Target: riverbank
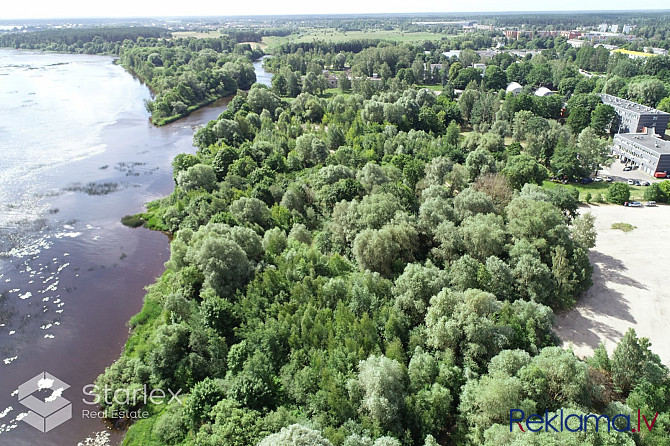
{"x": 71, "y": 275}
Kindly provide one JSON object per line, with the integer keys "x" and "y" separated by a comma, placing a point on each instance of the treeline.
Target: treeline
{"x": 576, "y": 20}
{"x": 188, "y": 73}
{"x": 353, "y": 271}
{"x": 256, "y": 35}
{"x": 85, "y": 40}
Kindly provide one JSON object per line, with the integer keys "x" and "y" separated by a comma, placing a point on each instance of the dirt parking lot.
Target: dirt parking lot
{"x": 631, "y": 283}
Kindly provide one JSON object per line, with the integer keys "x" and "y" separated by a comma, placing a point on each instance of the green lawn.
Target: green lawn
{"x": 636, "y": 192}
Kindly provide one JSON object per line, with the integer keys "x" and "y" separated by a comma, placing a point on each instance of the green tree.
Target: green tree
{"x": 203, "y": 397}
{"x": 601, "y": 118}
{"x": 618, "y": 193}
{"x": 522, "y": 169}
{"x": 382, "y": 383}
{"x": 196, "y": 177}
{"x": 655, "y": 193}
{"x": 294, "y": 435}
{"x": 593, "y": 150}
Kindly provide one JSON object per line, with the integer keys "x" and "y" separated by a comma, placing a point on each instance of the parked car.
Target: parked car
{"x": 587, "y": 180}
{"x": 608, "y": 179}
{"x": 645, "y": 183}
{"x": 660, "y": 174}
{"x": 597, "y": 179}
{"x": 627, "y": 169}
{"x": 635, "y": 204}
{"x": 637, "y": 183}
{"x": 631, "y": 182}
{"x": 650, "y": 203}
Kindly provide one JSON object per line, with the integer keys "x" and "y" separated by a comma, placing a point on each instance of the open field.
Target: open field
{"x": 196, "y": 34}
{"x": 636, "y": 192}
{"x": 331, "y": 35}
{"x": 630, "y": 283}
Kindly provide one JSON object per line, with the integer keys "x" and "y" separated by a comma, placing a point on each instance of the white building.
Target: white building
{"x": 603, "y": 28}
{"x": 452, "y": 53}
{"x": 543, "y": 91}
{"x": 614, "y": 28}
{"x": 514, "y": 88}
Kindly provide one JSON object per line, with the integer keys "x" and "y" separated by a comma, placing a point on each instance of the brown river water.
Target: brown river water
{"x": 77, "y": 153}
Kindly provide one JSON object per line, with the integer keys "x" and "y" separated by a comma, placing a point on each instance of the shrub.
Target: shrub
{"x": 133, "y": 221}
{"x": 618, "y": 193}
{"x": 655, "y": 193}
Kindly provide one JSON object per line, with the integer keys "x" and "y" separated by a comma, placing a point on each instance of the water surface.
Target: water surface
{"x": 77, "y": 152}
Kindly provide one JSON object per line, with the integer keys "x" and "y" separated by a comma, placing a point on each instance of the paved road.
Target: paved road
{"x": 617, "y": 173}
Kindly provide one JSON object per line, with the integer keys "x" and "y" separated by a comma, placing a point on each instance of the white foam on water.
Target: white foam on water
{"x": 25, "y": 296}
{"x": 67, "y": 234}
{"x": 4, "y": 413}
{"x": 8, "y": 361}
{"x": 49, "y": 336}
{"x": 12, "y": 332}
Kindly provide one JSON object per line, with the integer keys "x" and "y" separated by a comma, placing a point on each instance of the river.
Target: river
{"x": 77, "y": 152}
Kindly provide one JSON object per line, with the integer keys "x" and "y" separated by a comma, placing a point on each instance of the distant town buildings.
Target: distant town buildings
{"x": 634, "y": 117}
{"x": 656, "y": 51}
{"x": 634, "y": 54}
{"x": 331, "y": 79}
{"x": 480, "y": 66}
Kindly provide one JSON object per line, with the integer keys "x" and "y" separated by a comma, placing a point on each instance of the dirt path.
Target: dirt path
{"x": 631, "y": 283}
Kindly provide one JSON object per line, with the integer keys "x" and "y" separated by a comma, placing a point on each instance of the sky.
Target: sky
{"x": 39, "y": 9}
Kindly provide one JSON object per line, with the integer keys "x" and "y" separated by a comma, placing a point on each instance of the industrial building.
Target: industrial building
{"x": 644, "y": 150}
{"x": 633, "y": 117}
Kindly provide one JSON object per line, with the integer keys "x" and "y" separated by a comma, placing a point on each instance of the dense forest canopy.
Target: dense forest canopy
{"x": 379, "y": 263}
{"x": 93, "y": 40}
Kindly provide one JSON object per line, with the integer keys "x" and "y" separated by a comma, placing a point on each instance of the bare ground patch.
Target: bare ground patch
{"x": 631, "y": 283}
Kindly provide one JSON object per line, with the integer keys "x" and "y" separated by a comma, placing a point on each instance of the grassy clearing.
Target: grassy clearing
{"x": 331, "y": 35}
{"x": 196, "y": 34}
{"x": 636, "y": 192}
{"x": 255, "y": 44}
{"x": 625, "y": 227}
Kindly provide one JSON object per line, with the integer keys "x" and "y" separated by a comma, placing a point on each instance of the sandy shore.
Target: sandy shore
{"x": 631, "y": 283}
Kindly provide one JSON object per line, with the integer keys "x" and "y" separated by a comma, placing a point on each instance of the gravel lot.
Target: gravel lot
{"x": 631, "y": 283}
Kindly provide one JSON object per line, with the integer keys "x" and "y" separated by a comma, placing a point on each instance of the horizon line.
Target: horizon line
{"x": 342, "y": 14}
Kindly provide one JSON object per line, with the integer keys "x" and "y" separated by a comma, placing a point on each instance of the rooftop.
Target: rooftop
{"x": 646, "y": 140}
{"x": 628, "y": 105}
